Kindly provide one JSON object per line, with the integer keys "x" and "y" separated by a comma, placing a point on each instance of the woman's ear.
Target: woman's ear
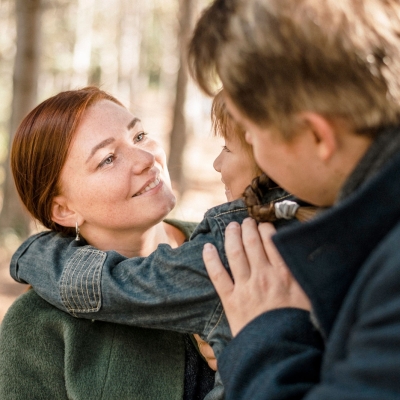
{"x": 62, "y": 214}
{"x": 324, "y": 133}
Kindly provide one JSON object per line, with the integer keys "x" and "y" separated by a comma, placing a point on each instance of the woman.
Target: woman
{"x": 111, "y": 169}
{"x": 83, "y": 165}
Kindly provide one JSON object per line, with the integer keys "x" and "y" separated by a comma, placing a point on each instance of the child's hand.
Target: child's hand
{"x": 262, "y": 280}
{"x": 207, "y": 352}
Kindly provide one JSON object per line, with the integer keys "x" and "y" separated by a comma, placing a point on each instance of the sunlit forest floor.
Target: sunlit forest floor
{"x": 203, "y": 190}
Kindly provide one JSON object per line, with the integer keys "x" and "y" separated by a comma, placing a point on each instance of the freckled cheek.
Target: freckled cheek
{"x": 106, "y": 189}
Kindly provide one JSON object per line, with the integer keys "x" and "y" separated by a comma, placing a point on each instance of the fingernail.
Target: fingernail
{"x": 233, "y": 225}
{"x": 208, "y": 247}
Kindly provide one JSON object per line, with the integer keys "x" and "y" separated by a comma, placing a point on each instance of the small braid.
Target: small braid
{"x": 253, "y": 198}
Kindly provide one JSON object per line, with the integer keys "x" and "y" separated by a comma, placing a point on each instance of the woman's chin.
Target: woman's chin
{"x": 170, "y": 203}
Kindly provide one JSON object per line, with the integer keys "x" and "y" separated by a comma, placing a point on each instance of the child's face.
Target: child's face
{"x": 236, "y": 167}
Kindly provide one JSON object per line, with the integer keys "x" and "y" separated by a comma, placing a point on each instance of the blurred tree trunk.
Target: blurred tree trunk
{"x": 25, "y": 77}
{"x": 129, "y": 45}
{"x": 83, "y": 44}
{"x": 178, "y": 132}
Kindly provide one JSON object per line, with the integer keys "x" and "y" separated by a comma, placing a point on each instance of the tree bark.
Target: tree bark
{"x": 25, "y": 77}
{"x": 178, "y": 132}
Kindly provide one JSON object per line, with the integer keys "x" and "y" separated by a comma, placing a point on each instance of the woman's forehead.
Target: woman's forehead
{"x": 106, "y": 114}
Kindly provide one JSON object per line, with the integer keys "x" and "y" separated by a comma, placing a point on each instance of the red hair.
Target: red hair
{"x": 41, "y": 145}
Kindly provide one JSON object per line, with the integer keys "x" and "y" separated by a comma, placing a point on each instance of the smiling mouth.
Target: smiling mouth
{"x": 150, "y": 186}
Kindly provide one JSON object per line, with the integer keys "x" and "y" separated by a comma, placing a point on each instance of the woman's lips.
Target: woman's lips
{"x": 149, "y": 186}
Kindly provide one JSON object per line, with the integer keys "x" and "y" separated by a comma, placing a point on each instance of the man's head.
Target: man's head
{"x": 285, "y": 62}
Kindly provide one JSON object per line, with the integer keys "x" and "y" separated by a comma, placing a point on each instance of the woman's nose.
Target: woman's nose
{"x": 217, "y": 163}
{"x": 141, "y": 160}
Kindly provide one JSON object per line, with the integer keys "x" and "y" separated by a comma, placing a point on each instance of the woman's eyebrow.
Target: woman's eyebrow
{"x": 132, "y": 124}
{"x": 99, "y": 146}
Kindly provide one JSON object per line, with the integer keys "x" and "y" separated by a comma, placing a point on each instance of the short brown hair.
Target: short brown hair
{"x": 225, "y": 126}
{"x": 276, "y": 58}
{"x": 41, "y": 145}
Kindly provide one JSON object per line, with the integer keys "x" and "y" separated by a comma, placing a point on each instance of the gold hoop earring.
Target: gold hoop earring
{"x": 77, "y": 238}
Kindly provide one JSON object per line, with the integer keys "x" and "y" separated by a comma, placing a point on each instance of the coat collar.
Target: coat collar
{"x": 326, "y": 253}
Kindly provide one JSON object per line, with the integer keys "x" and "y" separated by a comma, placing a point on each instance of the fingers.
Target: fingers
{"x": 207, "y": 352}
{"x": 235, "y": 252}
{"x": 266, "y": 231}
{"x": 254, "y": 246}
{"x": 212, "y": 363}
{"x": 219, "y": 276}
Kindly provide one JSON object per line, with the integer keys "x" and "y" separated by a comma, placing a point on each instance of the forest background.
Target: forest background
{"x": 134, "y": 49}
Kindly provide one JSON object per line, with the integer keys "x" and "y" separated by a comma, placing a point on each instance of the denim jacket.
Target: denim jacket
{"x": 169, "y": 289}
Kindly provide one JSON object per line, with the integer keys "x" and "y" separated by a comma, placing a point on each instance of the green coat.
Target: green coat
{"x": 47, "y": 354}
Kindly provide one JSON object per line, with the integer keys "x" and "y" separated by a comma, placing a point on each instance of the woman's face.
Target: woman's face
{"x": 115, "y": 176}
{"x": 236, "y": 167}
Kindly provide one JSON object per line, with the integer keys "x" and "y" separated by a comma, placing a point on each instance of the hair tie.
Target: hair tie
{"x": 285, "y": 209}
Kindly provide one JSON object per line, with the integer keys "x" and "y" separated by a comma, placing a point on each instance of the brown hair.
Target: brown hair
{"x": 225, "y": 126}
{"x": 265, "y": 212}
{"x": 40, "y": 149}
{"x": 276, "y": 58}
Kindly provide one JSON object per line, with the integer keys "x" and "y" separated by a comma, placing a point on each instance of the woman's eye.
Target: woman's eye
{"x": 107, "y": 161}
{"x": 224, "y": 148}
{"x": 140, "y": 136}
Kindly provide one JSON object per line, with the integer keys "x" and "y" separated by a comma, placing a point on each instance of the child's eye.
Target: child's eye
{"x": 107, "y": 161}
{"x": 139, "y": 136}
{"x": 224, "y": 148}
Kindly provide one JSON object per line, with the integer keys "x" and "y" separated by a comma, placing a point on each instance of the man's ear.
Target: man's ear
{"x": 62, "y": 214}
{"x": 324, "y": 133}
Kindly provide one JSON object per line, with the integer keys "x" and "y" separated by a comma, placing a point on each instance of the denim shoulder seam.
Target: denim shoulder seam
{"x": 245, "y": 208}
{"x": 281, "y": 198}
{"x": 230, "y": 212}
{"x": 80, "y": 283}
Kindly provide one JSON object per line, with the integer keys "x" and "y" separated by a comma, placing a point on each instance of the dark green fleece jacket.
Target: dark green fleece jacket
{"x": 47, "y": 354}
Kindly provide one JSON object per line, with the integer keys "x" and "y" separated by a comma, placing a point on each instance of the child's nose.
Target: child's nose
{"x": 217, "y": 163}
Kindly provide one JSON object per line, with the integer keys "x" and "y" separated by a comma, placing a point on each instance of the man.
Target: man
{"x": 315, "y": 308}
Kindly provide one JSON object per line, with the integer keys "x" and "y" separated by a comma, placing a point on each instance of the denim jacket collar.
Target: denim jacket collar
{"x": 326, "y": 254}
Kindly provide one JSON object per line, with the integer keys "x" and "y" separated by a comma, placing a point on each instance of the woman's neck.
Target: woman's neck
{"x": 135, "y": 243}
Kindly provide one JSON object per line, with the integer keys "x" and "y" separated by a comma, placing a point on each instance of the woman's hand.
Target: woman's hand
{"x": 207, "y": 352}
{"x": 262, "y": 280}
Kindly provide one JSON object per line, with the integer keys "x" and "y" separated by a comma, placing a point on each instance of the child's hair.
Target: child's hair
{"x": 223, "y": 125}
{"x": 277, "y": 58}
{"x": 253, "y": 198}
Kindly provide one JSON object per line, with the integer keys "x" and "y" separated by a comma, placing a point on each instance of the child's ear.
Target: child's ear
{"x": 62, "y": 214}
{"x": 324, "y": 133}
